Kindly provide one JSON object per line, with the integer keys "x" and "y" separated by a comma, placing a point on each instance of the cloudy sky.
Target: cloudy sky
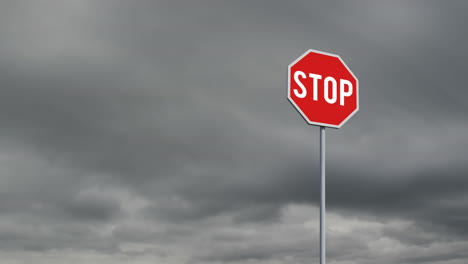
{"x": 159, "y": 132}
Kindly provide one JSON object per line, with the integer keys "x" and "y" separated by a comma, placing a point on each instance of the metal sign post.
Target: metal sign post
{"x": 322, "y": 195}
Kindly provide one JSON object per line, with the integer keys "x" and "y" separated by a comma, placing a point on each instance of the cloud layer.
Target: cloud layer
{"x": 160, "y": 132}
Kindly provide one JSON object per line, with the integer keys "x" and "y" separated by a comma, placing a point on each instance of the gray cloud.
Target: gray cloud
{"x": 142, "y": 129}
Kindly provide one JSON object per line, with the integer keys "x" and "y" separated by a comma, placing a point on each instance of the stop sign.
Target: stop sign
{"x": 323, "y": 89}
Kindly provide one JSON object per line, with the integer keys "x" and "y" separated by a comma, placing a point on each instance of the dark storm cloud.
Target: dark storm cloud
{"x": 93, "y": 209}
{"x": 182, "y": 105}
{"x": 428, "y": 194}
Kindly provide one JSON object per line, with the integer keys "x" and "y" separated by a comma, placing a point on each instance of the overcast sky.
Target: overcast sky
{"x": 160, "y": 132}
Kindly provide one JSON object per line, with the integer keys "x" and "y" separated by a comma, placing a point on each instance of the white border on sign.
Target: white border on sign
{"x": 300, "y": 111}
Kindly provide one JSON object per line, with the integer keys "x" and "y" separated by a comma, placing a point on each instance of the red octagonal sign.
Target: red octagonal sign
{"x": 323, "y": 89}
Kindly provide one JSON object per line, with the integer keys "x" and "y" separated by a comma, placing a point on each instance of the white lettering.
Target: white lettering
{"x": 316, "y": 77}
{"x": 344, "y": 94}
{"x": 300, "y": 84}
{"x": 330, "y": 100}
{"x": 329, "y": 86}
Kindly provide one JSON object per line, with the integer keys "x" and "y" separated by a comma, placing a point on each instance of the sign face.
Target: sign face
{"x": 323, "y": 89}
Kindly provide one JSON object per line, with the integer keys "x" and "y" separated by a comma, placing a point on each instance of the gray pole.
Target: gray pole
{"x": 322, "y": 195}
